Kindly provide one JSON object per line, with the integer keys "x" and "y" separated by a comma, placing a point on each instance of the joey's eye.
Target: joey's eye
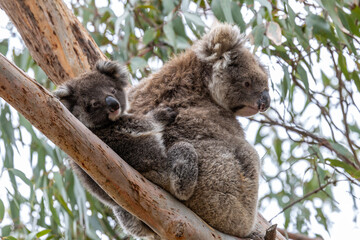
{"x": 247, "y": 84}
{"x": 95, "y": 104}
{"x": 113, "y": 91}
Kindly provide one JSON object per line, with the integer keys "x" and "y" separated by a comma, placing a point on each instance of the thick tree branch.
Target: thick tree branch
{"x": 169, "y": 218}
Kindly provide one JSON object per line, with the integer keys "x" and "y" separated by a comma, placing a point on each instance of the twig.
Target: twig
{"x": 304, "y": 197}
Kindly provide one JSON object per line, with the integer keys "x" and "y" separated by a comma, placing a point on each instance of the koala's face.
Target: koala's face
{"x": 238, "y": 82}
{"x": 95, "y": 98}
{"x": 241, "y": 85}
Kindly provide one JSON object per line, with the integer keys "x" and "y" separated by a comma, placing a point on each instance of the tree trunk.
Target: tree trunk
{"x": 64, "y": 49}
{"x": 57, "y": 41}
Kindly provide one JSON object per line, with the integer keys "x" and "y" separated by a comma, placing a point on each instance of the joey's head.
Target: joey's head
{"x": 98, "y": 97}
{"x": 238, "y": 82}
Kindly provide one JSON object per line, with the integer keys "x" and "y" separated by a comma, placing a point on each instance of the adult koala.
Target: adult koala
{"x": 208, "y": 86}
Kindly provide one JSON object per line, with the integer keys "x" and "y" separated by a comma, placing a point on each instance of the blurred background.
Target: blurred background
{"x": 308, "y": 141}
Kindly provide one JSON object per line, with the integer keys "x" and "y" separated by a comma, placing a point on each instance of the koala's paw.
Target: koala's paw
{"x": 133, "y": 225}
{"x": 165, "y": 115}
{"x": 184, "y": 172}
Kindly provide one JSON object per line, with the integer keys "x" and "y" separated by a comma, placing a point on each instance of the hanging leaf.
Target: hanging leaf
{"x": 273, "y": 32}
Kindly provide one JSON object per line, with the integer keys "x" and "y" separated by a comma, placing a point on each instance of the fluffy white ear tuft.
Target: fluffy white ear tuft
{"x": 113, "y": 70}
{"x": 221, "y": 39}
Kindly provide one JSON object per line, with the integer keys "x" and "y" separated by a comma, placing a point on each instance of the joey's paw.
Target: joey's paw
{"x": 256, "y": 236}
{"x": 166, "y": 115}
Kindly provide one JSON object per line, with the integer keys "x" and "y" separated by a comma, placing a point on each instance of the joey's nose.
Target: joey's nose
{"x": 264, "y": 101}
{"x": 112, "y": 103}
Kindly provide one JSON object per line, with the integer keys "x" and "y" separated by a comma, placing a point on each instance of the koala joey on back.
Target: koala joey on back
{"x": 209, "y": 85}
{"x": 98, "y": 100}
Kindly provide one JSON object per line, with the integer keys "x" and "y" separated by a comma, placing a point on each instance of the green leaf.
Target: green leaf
{"x": 9, "y": 238}
{"x": 258, "y": 34}
{"x": 2, "y": 210}
{"x": 267, "y": 5}
{"x": 226, "y": 8}
{"x": 21, "y": 175}
{"x": 326, "y": 81}
{"x": 64, "y": 205}
{"x": 343, "y": 66}
{"x": 236, "y": 14}
{"x": 195, "y": 19}
{"x": 217, "y": 10}
{"x": 286, "y": 82}
{"x": 355, "y": 77}
{"x": 303, "y": 76}
{"x": 137, "y": 63}
{"x": 170, "y": 33}
{"x": 342, "y": 150}
{"x": 4, "y": 46}
{"x": 168, "y": 6}
{"x": 149, "y": 36}
{"x": 348, "y": 168}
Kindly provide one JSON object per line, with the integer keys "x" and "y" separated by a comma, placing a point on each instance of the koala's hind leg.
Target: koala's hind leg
{"x": 133, "y": 225}
{"x": 91, "y": 186}
{"x": 184, "y": 169}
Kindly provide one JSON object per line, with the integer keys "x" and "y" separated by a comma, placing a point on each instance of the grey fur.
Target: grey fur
{"x": 136, "y": 138}
{"x": 209, "y": 85}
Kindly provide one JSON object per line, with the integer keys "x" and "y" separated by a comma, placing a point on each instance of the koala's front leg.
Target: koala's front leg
{"x": 184, "y": 169}
{"x": 133, "y": 225}
{"x": 91, "y": 186}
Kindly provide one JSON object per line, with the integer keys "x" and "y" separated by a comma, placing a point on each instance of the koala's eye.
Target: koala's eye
{"x": 113, "y": 91}
{"x": 247, "y": 84}
{"x": 95, "y": 104}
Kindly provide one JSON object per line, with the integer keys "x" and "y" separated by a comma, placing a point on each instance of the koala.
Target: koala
{"x": 98, "y": 99}
{"x": 209, "y": 85}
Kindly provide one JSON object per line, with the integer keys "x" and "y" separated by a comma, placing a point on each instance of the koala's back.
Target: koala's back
{"x": 228, "y": 165}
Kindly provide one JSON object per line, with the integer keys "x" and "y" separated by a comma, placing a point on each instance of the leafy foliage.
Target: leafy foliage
{"x": 309, "y": 137}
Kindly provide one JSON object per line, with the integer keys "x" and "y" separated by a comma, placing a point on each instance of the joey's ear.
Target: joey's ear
{"x": 114, "y": 70}
{"x": 64, "y": 93}
{"x": 220, "y": 40}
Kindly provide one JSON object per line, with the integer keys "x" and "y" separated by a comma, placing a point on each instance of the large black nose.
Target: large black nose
{"x": 112, "y": 103}
{"x": 264, "y": 101}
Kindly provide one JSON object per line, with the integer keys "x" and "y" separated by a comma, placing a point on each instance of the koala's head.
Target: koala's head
{"x": 238, "y": 82}
{"x": 98, "y": 97}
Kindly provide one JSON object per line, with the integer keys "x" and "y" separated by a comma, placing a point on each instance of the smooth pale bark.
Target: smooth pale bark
{"x": 64, "y": 49}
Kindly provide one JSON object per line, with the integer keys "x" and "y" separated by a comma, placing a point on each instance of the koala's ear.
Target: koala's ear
{"x": 114, "y": 70}
{"x": 64, "y": 93}
{"x": 221, "y": 39}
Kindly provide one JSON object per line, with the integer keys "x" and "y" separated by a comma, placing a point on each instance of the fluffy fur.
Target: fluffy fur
{"x": 208, "y": 86}
{"x": 98, "y": 100}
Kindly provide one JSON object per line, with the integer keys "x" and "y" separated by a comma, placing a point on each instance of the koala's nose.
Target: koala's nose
{"x": 264, "y": 101}
{"x": 112, "y": 103}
